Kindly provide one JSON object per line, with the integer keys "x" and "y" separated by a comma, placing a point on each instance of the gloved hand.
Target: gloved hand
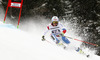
{"x": 62, "y": 34}
{"x": 57, "y": 41}
{"x": 43, "y": 38}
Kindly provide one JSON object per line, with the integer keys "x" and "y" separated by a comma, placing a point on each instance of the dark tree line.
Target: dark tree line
{"x": 88, "y": 14}
{"x": 35, "y": 7}
{"x": 86, "y": 11}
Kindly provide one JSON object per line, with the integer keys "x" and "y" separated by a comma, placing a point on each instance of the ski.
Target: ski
{"x": 81, "y": 52}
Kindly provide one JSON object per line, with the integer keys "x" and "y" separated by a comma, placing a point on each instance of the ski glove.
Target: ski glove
{"x": 43, "y": 38}
{"x": 62, "y": 34}
{"x": 57, "y": 42}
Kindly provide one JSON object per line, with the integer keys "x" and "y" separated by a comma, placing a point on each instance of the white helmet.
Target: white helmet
{"x": 55, "y": 18}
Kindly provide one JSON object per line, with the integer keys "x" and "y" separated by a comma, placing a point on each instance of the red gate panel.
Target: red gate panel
{"x": 14, "y": 4}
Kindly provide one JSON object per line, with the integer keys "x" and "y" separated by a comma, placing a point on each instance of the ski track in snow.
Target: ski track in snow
{"x": 25, "y": 43}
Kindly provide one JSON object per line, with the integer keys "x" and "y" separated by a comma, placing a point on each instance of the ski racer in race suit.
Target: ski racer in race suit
{"x": 57, "y": 34}
{"x": 57, "y": 31}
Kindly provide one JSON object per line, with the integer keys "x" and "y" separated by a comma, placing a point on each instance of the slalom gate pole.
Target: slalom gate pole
{"x": 83, "y": 41}
{"x": 20, "y": 13}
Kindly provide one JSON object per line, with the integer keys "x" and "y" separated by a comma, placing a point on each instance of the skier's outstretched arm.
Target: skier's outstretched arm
{"x": 43, "y": 37}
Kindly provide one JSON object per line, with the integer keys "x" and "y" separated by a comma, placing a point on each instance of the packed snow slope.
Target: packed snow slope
{"x": 25, "y": 43}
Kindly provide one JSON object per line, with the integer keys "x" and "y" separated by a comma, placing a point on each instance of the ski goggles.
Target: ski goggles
{"x": 55, "y": 22}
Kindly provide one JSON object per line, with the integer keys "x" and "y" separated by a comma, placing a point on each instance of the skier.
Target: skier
{"x": 57, "y": 34}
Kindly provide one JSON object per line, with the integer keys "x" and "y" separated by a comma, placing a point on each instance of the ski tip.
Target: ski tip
{"x": 64, "y": 47}
{"x": 88, "y": 56}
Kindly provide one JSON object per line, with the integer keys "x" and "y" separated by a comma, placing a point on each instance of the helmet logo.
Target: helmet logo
{"x": 55, "y": 19}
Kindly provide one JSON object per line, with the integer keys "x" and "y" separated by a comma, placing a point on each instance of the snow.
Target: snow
{"x": 16, "y": 44}
{"x": 25, "y": 43}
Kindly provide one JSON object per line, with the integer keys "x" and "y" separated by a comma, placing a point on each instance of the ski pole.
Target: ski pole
{"x": 48, "y": 41}
{"x": 83, "y": 41}
{"x": 52, "y": 43}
